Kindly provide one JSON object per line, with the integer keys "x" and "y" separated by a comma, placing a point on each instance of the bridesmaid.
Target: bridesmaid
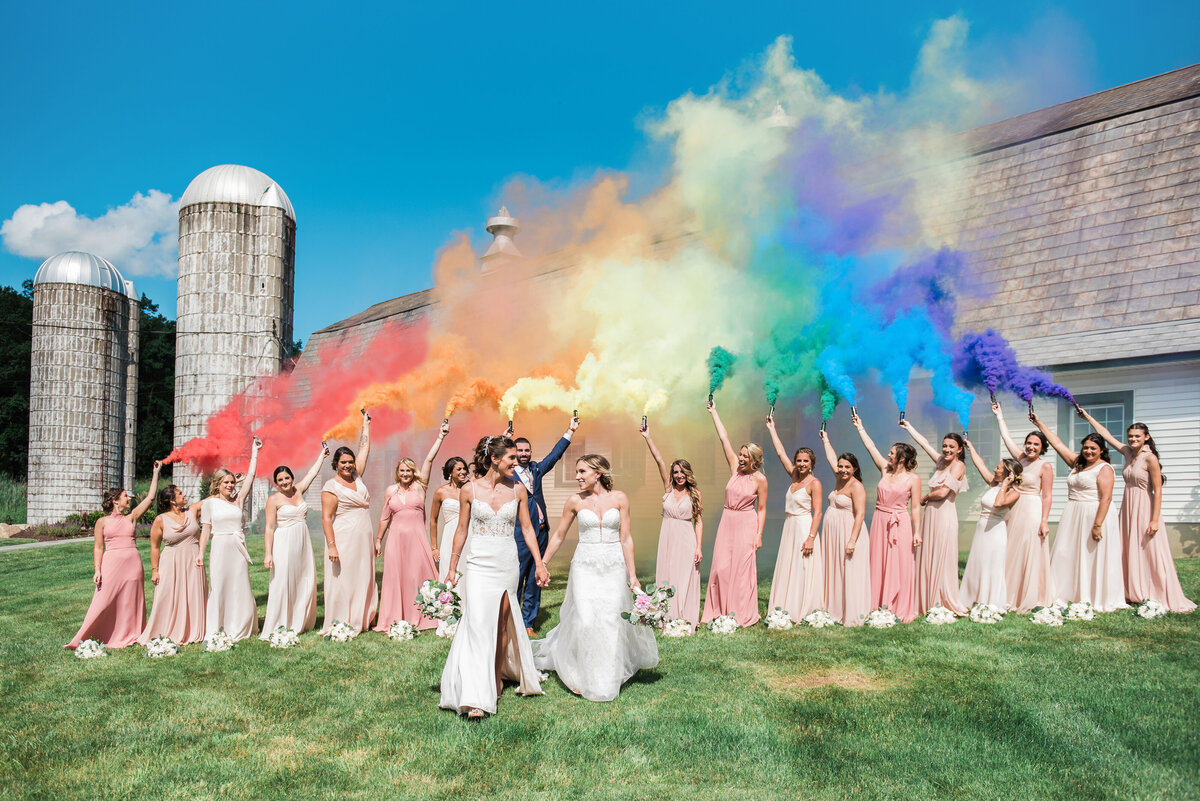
{"x": 1148, "y": 567}
{"x": 117, "y": 613}
{"x": 231, "y": 603}
{"x": 292, "y": 593}
{"x": 445, "y": 509}
{"x": 798, "y": 585}
{"x": 984, "y": 580}
{"x": 180, "y": 589}
{"x": 350, "y": 595}
{"x": 409, "y": 560}
{"x": 892, "y": 531}
{"x": 937, "y": 554}
{"x": 847, "y": 567}
{"x": 733, "y": 577}
{"x": 681, "y": 536}
{"x": 1086, "y": 561}
{"x": 1027, "y": 557}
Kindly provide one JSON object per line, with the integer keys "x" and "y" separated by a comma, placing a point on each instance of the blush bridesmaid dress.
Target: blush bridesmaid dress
{"x": 733, "y": 579}
{"x": 1149, "y": 569}
{"x": 350, "y": 594}
{"x": 677, "y": 558}
{"x": 407, "y": 560}
{"x": 182, "y": 592}
{"x": 892, "y": 562}
{"x": 847, "y": 580}
{"x": 937, "y": 555}
{"x": 117, "y": 613}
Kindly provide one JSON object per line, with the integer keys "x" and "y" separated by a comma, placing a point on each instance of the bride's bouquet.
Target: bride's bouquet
{"x": 437, "y": 600}
{"x": 650, "y": 606}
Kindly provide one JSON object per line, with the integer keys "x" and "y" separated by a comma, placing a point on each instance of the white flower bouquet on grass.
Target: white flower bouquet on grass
{"x": 819, "y": 619}
{"x": 1149, "y": 610}
{"x": 220, "y": 641}
{"x": 940, "y": 616}
{"x": 986, "y": 613}
{"x": 283, "y": 637}
{"x": 341, "y": 632}
{"x": 881, "y": 618}
{"x": 779, "y": 619}
{"x": 446, "y": 629}
{"x": 650, "y": 605}
{"x": 401, "y": 630}
{"x": 90, "y": 649}
{"x": 160, "y": 647}
{"x": 1081, "y": 611}
{"x": 725, "y": 624}
{"x": 1047, "y": 616}
{"x": 677, "y": 627}
{"x": 437, "y": 600}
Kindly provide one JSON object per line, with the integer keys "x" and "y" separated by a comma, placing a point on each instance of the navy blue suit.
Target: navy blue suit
{"x": 527, "y": 589}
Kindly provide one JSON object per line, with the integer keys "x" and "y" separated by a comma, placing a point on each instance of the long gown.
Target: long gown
{"x": 847, "y": 581}
{"x": 292, "y": 594}
{"x": 469, "y": 677}
{"x": 676, "y": 563}
{"x": 798, "y": 585}
{"x": 117, "y": 613}
{"x": 350, "y": 595}
{"x": 937, "y": 556}
{"x": 231, "y": 603}
{"x": 1027, "y": 558}
{"x": 1148, "y": 566}
{"x": 1086, "y": 570}
{"x": 983, "y": 580}
{"x": 182, "y": 592}
{"x": 593, "y": 649}
{"x": 449, "y": 522}
{"x": 892, "y": 562}
{"x": 733, "y": 578}
{"x": 407, "y": 560}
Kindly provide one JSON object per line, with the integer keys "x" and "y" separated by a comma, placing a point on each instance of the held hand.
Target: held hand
{"x": 645, "y": 432}
{"x": 574, "y": 424}
{"x": 1033, "y": 418}
{"x": 1152, "y": 529}
{"x": 157, "y": 466}
{"x": 445, "y": 430}
{"x": 1097, "y": 533}
{"x": 268, "y": 562}
{"x": 154, "y": 577}
{"x": 257, "y": 442}
{"x": 1080, "y": 412}
{"x": 855, "y": 420}
{"x": 508, "y": 432}
{"x": 324, "y": 449}
{"x": 771, "y": 423}
{"x": 542, "y": 576}
{"x": 332, "y": 551}
{"x": 807, "y": 548}
{"x": 996, "y": 409}
{"x": 1044, "y": 530}
{"x": 635, "y": 585}
{"x": 698, "y": 557}
{"x": 712, "y": 406}
{"x": 907, "y": 426}
{"x": 824, "y": 435}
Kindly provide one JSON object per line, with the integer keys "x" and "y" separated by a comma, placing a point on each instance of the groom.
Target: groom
{"x": 530, "y": 474}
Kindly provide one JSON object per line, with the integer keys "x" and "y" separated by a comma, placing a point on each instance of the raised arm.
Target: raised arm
{"x": 876, "y": 456}
{"x": 780, "y": 451}
{"x": 920, "y": 440}
{"x": 1069, "y": 456}
{"x": 141, "y": 508}
{"x": 663, "y": 473}
{"x": 570, "y": 510}
{"x": 364, "y": 444}
{"x": 465, "y": 496}
{"x": 723, "y": 435}
{"x": 1013, "y": 450}
{"x": 627, "y": 542}
{"x": 830, "y": 453}
{"x": 311, "y": 475}
{"x": 248, "y": 484}
{"x": 560, "y": 447}
{"x": 988, "y": 476}
{"x": 427, "y": 465}
{"x": 1105, "y": 433}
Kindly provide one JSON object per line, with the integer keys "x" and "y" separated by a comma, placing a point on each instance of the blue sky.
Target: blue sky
{"x": 393, "y": 125}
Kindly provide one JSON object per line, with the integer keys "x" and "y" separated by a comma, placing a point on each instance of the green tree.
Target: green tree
{"x": 156, "y": 386}
{"x": 16, "y": 326}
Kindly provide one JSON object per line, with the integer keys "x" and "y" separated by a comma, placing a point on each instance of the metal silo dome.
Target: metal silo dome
{"x": 235, "y": 183}
{"x": 76, "y": 267}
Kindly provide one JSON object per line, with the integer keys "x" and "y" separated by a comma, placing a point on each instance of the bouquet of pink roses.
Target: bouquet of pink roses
{"x": 439, "y": 601}
{"x": 650, "y": 606}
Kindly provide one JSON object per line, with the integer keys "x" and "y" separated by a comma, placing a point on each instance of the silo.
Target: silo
{"x": 237, "y": 239}
{"x": 83, "y": 385}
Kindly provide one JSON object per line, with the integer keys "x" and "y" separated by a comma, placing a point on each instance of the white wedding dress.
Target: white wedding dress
{"x": 469, "y": 677}
{"x": 593, "y": 649}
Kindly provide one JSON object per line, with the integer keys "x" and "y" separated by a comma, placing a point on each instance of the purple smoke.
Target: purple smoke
{"x": 986, "y": 359}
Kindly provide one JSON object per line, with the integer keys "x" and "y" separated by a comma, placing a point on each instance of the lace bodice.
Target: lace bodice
{"x": 593, "y": 528}
{"x": 1081, "y": 484}
{"x": 798, "y": 502}
{"x": 488, "y": 522}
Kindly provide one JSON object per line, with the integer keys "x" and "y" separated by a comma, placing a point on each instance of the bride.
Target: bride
{"x": 490, "y": 644}
{"x": 593, "y": 650}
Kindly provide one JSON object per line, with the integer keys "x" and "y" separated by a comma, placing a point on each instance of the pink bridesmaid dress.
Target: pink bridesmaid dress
{"x": 676, "y": 558}
{"x": 733, "y": 579}
{"x": 117, "y": 613}
{"x": 847, "y": 581}
{"x": 350, "y": 594}
{"x": 1086, "y": 570}
{"x": 892, "y": 562}
{"x": 798, "y": 586}
{"x": 937, "y": 555}
{"x": 407, "y": 560}
{"x": 1149, "y": 569}
{"x": 1027, "y": 555}
{"x": 182, "y": 592}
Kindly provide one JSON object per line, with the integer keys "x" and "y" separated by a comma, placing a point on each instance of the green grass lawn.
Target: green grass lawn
{"x": 1106, "y": 709}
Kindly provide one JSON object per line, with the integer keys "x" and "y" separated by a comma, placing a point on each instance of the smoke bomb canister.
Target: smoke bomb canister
{"x": 992, "y": 395}
{"x": 710, "y": 398}
{"x": 823, "y": 422}
{"x": 901, "y": 415}
{"x": 643, "y": 422}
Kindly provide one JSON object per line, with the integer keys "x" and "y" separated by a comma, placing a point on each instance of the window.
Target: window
{"x": 985, "y": 436}
{"x": 1113, "y": 410}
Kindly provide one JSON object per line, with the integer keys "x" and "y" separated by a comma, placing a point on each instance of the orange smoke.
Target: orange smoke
{"x": 473, "y": 394}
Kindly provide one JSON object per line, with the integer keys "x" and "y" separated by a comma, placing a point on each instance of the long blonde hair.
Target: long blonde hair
{"x": 416, "y": 474}
{"x": 214, "y": 483}
{"x": 689, "y": 484}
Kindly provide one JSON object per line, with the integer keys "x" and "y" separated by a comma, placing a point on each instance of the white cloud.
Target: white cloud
{"x": 140, "y": 237}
